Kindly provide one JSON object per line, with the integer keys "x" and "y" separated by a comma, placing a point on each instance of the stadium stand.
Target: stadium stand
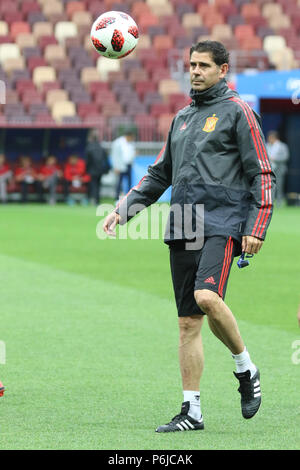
{"x": 53, "y": 73}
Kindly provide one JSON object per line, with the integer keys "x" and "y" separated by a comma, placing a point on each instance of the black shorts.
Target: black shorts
{"x": 207, "y": 268}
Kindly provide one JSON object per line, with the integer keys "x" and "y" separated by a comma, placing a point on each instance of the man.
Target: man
{"x": 215, "y": 155}
{"x": 5, "y": 177}
{"x": 75, "y": 177}
{"x": 96, "y": 164}
{"x": 122, "y": 155}
{"x": 279, "y": 154}
{"x": 49, "y": 175}
{"x": 27, "y": 176}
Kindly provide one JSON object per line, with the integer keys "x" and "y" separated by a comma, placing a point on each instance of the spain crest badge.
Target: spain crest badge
{"x": 210, "y": 123}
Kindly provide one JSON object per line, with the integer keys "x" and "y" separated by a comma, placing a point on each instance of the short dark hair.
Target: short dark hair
{"x": 219, "y": 53}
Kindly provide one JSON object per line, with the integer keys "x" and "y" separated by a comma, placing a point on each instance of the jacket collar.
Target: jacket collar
{"x": 217, "y": 92}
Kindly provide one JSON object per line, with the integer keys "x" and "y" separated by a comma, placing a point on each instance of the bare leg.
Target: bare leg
{"x": 191, "y": 357}
{"x": 220, "y": 319}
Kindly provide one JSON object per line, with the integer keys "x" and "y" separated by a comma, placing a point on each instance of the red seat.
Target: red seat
{"x": 24, "y": 84}
{"x": 85, "y": 109}
{"x": 159, "y": 108}
{"x": 29, "y": 7}
{"x": 13, "y": 16}
{"x": 251, "y": 43}
{"x": 95, "y": 87}
{"x": 142, "y": 87}
{"x": 46, "y": 40}
{"x": 18, "y": 27}
{"x": 146, "y": 127}
{"x": 243, "y": 31}
{"x": 34, "y": 62}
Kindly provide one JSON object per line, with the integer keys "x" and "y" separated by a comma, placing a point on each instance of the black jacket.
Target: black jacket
{"x": 96, "y": 159}
{"x": 215, "y": 155}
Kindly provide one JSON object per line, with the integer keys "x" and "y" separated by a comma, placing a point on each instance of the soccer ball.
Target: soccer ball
{"x": 114, "y": 34}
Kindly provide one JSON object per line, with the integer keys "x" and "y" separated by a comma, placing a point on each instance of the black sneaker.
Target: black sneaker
{"x": 250, "y": 392}
{"x": 182, "y": 422}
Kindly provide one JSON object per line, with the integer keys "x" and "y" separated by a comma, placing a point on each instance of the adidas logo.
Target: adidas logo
{"x": 257, "y": 392}
{"x": 185, "y": 425}
{"x": 210, "y": 280}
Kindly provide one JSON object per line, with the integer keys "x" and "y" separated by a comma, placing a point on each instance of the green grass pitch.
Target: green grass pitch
{"x": 90, "y": 330}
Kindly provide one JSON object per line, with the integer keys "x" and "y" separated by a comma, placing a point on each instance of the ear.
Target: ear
{"x": 224, "y": 70}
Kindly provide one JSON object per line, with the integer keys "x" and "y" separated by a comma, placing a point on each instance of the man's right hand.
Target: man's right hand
{"x": 110, "y": 223}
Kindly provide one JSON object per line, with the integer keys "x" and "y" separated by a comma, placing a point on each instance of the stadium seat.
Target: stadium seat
{"x": 146, "y": 20}
{"x": 273, "y": 43}
{"x": 211, "y": 20}
{"x": 221, "y": 31}
{"x": 111, "y": 109}
{"x": 104, "y": 66}
{"x": 43, "y": 74}
{"x": 62, "y": 109}
{"x": 84, "y": 109}
{"x": 249, "y": 10}
{"x": 54, "y": 51}
{"x": 89, "y": 74}
{"x": 162, "y": 42}
{"x": 35, "y": 16}
{"x": 73, "y": 7}
{"x": 42, "y": 28}
{"x": 282, "y": 21}
{"x": 9, "y": 51}
{"x": 242, "y": 31}
{"x": 7, "y": 6}
{"x": 157, "y": 109}
{"x": 9, "y": 64}
{"x": 80, "y": 18}
{"x": 161, "y": 10}
{"x": 168, "y": 86}
{"x": 30, "y": 7}
{"x": 3, "y": 28}
{"x": 283, "y": 58}
{"x": 140, "y": 8}
{"x": 271, "y": 9}
{"x": 34, "y": 62}
{"x": 251, "y": 43}
{"x": 191, "y": 20}
{"x": 12, "y": 97}
{"x": 12, "y": 17}
{"x": 54, "y": 96}
{"x": 136, "y": 75}
{"x": 65, "y": 29}
{"x": 25, "y": 40}
{"x": 163, "y": 125}
{"x": 51, "y": 8}
{"x": 146, "y": 127}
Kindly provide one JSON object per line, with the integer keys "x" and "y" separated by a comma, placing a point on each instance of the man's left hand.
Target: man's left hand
{"x": 251, "y": 245}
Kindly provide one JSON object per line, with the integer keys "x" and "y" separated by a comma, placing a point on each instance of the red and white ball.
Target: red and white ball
{"x": 114, "y": 34}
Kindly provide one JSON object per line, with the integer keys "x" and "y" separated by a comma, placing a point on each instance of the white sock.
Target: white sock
{"x": 243, "y": 362}
{"x": 194, "y": 398}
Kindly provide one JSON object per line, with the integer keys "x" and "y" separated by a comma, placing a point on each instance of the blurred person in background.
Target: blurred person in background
{"x": 122, "y": 155}
{"x": 97, "y": 164}
{"x": 49, "y": 175}
{"x": 5, "y": 177}
{"x": 279, "y": 154}
{"x": 27, "y": 176}
{"x": 298, "y": 315}
{"x": 75, "y": 177}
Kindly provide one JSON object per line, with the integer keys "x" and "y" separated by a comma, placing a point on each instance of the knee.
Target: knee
{"x": 189, "y": 327}
{"x": 207, "y": 301}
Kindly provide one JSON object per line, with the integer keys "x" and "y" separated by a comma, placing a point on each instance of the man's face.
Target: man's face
{"x": 204, "y": 72}
{"x": 271, "y": 139}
